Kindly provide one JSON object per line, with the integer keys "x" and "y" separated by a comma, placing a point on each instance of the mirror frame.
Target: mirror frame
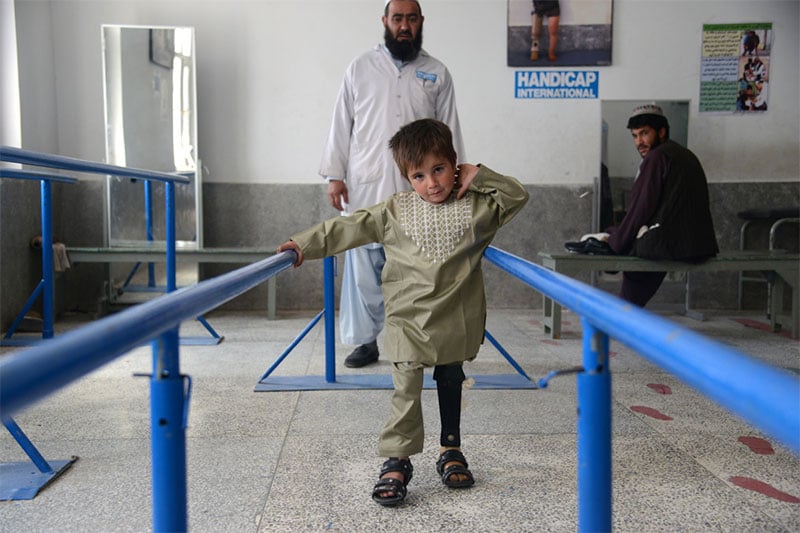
{"x": 160, "y": 49}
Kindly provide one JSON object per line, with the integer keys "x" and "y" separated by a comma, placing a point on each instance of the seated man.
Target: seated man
{"x": 669, "y": 215}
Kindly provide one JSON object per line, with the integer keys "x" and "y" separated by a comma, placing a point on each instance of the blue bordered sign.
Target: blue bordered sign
{"x": 556, "y": 83}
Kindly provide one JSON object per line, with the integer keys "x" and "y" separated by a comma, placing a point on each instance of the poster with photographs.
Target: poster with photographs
{"x": 559, "y": 33}
{"x": 735, "y": 68}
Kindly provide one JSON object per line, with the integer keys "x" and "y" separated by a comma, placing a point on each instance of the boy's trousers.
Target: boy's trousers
{"x": 404, "y": 432}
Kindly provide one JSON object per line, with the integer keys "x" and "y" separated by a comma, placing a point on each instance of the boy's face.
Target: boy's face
{"x": 434, "y": 179}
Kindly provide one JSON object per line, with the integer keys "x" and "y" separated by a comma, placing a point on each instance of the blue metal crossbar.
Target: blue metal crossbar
{"x": 28, "y": 157}
{"x": 45, "y": 285}
{"x": 763, "y": 395}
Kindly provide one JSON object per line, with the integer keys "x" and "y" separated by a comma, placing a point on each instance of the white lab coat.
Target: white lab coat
{"x": 375, "y": 100}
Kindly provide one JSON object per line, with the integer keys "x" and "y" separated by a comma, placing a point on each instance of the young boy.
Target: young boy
{"x": 434, "y": 238}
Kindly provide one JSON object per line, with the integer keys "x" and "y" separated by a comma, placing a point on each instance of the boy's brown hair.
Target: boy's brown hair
{"x": 418, "y": 139}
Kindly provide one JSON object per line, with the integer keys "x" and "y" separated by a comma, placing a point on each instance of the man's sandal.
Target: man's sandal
{"x": 389, "y": 491}
{"x": 451, "y": 456}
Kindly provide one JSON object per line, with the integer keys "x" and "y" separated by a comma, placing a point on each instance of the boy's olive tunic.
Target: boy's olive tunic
{"x": 432, "y": 281}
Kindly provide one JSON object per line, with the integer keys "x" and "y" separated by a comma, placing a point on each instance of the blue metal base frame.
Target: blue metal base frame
{"x": 201, "y": 341}
{"x": 22, "y": 340}
{"x": 381, "y": 381}
{"x": 23, "y": 481}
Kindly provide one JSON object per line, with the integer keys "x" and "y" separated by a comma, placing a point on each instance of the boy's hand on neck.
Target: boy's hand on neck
{"x": 465, "y": 173}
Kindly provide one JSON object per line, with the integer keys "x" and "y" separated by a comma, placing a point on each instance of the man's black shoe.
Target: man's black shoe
{"x": 590, "y": 246}
{"x": 364, "y": 355}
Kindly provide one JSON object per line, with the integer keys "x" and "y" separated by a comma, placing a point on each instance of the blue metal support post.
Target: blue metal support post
{"x": 168, "y": 435}
{"x": 170, "y": 234}
{"x": 47, "y": 261}
{"x": 167, "y": 406}
{"x": 594, "y": 433}
{"x": 148, "y": 215}
{"x": 330, "y": 331}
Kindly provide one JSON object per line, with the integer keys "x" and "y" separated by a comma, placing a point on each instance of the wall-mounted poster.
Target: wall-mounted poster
{"x": 559, "y": 33}
{"x": 734, "y": 72}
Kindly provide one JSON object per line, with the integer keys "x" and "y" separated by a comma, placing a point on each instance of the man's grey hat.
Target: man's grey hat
{"x": 647, "y": 109}
{"x": 648, "y": 114}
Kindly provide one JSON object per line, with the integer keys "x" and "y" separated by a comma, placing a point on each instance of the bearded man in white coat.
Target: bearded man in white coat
{"x": 394, "y": 83}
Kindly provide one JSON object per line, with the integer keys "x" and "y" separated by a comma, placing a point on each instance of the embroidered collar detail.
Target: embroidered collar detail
{"x": 435, "y": 228}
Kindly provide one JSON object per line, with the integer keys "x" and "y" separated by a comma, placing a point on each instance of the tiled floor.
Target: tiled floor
{"x": 306, "y": 461}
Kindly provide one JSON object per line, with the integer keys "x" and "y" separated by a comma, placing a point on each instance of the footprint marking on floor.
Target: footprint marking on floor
{"x": 757, "y": 445}
{"x": 764, "y": 488}
{"x": 649, "y": 411}
{"x": 660, "y": 388}
{"x": 750, "y": 323}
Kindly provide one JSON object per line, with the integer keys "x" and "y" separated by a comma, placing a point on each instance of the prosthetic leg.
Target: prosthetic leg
{"x": 448, "y": 386}
{"x": 536, "y": 33}
{"x": 452, "y": 465}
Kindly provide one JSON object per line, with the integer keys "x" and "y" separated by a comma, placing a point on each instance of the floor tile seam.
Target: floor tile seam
{"x": 278, "y": 458}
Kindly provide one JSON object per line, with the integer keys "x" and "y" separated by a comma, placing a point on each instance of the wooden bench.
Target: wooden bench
{"x": 784, "y": 267}
{"x": 156, "y": 253}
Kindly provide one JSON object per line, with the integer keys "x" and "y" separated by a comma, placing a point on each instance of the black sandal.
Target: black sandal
{"x": 395, "y": 487}
{"x": 450, "y": 456}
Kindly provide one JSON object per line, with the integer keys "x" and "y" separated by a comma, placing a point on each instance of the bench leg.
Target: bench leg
{"x": 796, "y": 312}
{"x": 776, "y": 305}
{"x": 271, "y": 305}
{"x": 551, "y": 317}
{"x": 687, "y": 301}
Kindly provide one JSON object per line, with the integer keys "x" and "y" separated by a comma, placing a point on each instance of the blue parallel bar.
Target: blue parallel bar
{"x": 594, "y": 433}
{"x": 30, "y": 375}
{"x": 28, "y": 157}
{"x": 20, "y": 173}
{"x": 763, "y": 395}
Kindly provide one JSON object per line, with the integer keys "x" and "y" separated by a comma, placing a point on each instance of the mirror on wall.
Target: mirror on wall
{"x": 151, "y": 123}
{"x": 619, "y": 158}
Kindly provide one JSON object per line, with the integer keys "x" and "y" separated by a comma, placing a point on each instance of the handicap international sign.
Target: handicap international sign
{"x": 556, "y": 83}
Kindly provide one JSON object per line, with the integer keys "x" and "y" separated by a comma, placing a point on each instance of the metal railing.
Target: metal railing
{"x": 763, "y": 395}
{"x": 30, "y": 375}
{"x": 21, "y": 156}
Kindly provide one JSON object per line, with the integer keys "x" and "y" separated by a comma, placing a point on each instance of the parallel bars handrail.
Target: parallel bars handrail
{"x": 30, "y": 157}
{"x": 29, "y": 375}
{"x": 762, "y": 395}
